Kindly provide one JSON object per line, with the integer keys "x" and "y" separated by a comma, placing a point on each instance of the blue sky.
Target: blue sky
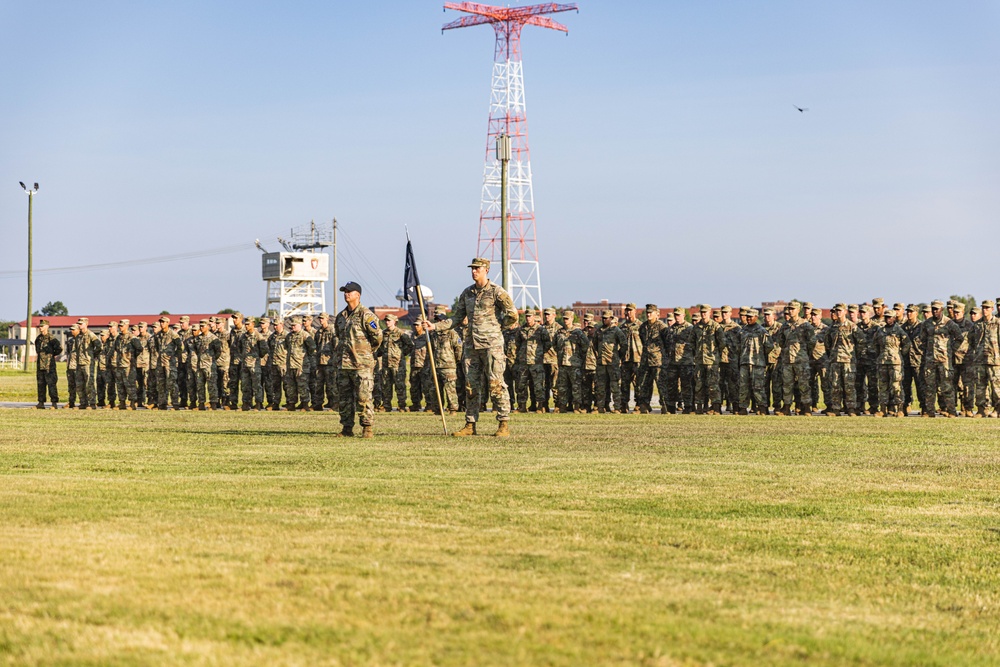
{"x": 670, "y": 164}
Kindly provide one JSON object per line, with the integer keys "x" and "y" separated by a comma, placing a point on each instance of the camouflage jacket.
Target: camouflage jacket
{"x": 140, "y": 345}
{"x": 774, "y": 356}
{"x": 225, "y": 358}
{"x": 681, "y": 344}
{"x": 87, "y": 347}
{"x": 298, "y": 345}
{"x": 818, "y": 354}
{"x": 358, "y": 339}
{"x": 418, "y": 353}
{"x": 653, "y": 343}
{"x": 233, "y": 347}
{"x": 731, "y": 343}
{"x": 190, "y": 345}
{"x": 71, "y": 352}
{"x": 990, "y": 337}
{"x": 892, "y": 345}
{"x": 707, "y": 343}
{"x": 208, "y": 347}
{"x": 755, "y": 345}
{"x": 590, "y": 358}
{"x": 168, "y": 345}
{"x": 571, "y": 346}
{"x": 965, "y": 325}
{"x": 185, "y": 347}
{"x": 276, "y": 344}
{"x": 534, "y": 344}
{"x": 252, "y": 348}
{"x": 510, "y": 336}
{"x": 608, "y": 345}
{"x": 396, "y": 346}
{"x": 797, "y": 339}
{"x": 842, "y": 339}
{"x": 47, "y": 348}
{"x": 326, "y": 344}
{"x": 447, "y": 349}
{"x": 939, "y": 340}
{"x": 124, "y": 350}
{"x": 489, "y": 309}
{"x": 106, "y": 357}
{"x": 551, "y": 357}
{"x": 632, "y": 349}
{"x": 866, "y": 347}
{"x": 916, "y": 356}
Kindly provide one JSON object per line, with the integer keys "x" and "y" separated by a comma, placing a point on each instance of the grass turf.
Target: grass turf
{"x": 239, "y": 538}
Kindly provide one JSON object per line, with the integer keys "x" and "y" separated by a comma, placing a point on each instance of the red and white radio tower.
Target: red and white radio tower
{"x": 507, "y": 117}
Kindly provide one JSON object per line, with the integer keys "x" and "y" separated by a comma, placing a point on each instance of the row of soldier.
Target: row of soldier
{"x": 869, "y": 359}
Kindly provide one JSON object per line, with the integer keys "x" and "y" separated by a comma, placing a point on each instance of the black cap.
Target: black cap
{"x": 351, "y": 287}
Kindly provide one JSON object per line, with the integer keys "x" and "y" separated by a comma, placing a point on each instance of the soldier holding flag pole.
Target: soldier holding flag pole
{"x": 411, "y": 282}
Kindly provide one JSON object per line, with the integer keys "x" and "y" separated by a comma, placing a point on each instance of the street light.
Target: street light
{"x": 27, "y": 331}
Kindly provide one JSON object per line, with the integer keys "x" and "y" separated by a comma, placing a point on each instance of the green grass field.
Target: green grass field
{"x": 245, "y": 538}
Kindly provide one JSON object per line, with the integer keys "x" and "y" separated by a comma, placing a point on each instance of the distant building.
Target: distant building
{"x": 580, "y": 308}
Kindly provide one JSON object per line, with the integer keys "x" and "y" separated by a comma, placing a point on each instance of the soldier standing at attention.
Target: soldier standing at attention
{"x": 571, "y": 347}
{"x": 589, "y": 363}
{"x": 358, "y": 339}
{"x": 74, "y": 336}
{"x": 911, "y": 364}
{"x": 651, "y": 336}
{"x": 867, "y": 379}
{"x": 298, "y": 345}
{"x": 47, "y": 348}
{"x": 510, "y": 335}
{"x": 208, "y": 349}
{"x": 817, "y": 360}
{"x": 680, "y": 373}
{"x": 278, "y": 363}
{"x": 311, "y": 360}
{"x": 608, "y": 343}
{"x": 534, "y": 345}
{"x": 489, "y": 309}
{"x": 730, "y": 360}
{"x": 105, "y": 369}
{"x": 253, "y": 348}
{"x": 265, "y": 332}
{"x": 87, "y": 348}
{"x": 773, "y": 383}
{"x": 631, "y": 358}
{"x": 235, "y": 333}
{"x": 990, "y": 344}
{"x": 797, "y": 339}
{"x": 326, "y": 375}
{"x": 939, "y": 337}
{"x": 964, "y": 390}
{"x": 168, "y": 345}
{"x": 707, "y": 344}
{"x": 124, "y": 367}
{"x": 755, "y": 347}
{"x": 447, "y": 356}
{"x": 549, "y": 363}
{"x": 185, "y": 369}
{"x": 141, "y": 356}
{"x": 892, "y": 346}
{"x": 396, "y": 346}
{"x": 418, "y": 357}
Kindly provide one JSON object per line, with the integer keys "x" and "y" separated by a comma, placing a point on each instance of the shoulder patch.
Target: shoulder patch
{"x": 374, "y": 325}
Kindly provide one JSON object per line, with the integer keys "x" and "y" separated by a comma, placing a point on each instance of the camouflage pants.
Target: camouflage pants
{"x": 629, "y": 379}
{"x": 84, "y": 387}
{"x": 648, "y": 376}
{"x": 730, "y": 385}
{"x": 938, "y": 387}
{"x": 105, "y": 388}
{"x": 47, "y": 381}
{"x": 125, "y": 385}
{"x": 354, "y": 387}
{"x": 795, "y": 377}
{"x": 866, "y": 382}
{"x": 531, "y": 383}
{"x": 222, "y": 382}
{"x": 448, "y": 384}
{"x": 253, "y": 390}
{"x": 773, "y": 385}
{"x": 707, "y": 391}
{"x": 166, "y": 386}
{"x": 417, "y": 392}
{"x": 571, "y": 388}
{"x": 551, "y": 385}
{"x": 509, "y": 378}
{"x": 277, "y": 383}
{"x": 753, "y": 387}
{"x": 233, "y": 390}
{"x": 589, "y": 375}
{"x": 297, "y": 388}
{"x": 607, "y": 380}
{"x": 393, "y": 378}
{"x": 970, "y": 374}
{"x": 140, "y": 385}
{"x": 910, "y": 378}
{"x": 183, "y": 381}
{"x": 680, "y": 387}
{"x": 378, "y": 392}
{"x": 890, "y": 388}
{"x": 987, "y": 387}
{"x": 326, "y": 386}
{"x": 843, "y": 388}
{"x": 204, "y": 380}
{"x": 484, "y": 368}
{"x": 817, "y": 381}
{"x": 71, "y": 386}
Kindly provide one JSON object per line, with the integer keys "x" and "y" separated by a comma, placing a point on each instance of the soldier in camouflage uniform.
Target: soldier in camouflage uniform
{"x": 754, "y": 350}
{"x": 842, "y": 340}
{"x": 264, "y": 332}
{"x": 489, "y": 309}
{"x": 447, "y": 348}
{"x": 974, "y": 368}
{"x": 892, "y": 346}
{"x": 939, "y": 337}
{"x": 651, "y": 370}
{"x": 358, "y": 339}
{"x": 988, "y": 388}
{"x": 550, "y": 364}
{"x": 418, "y": 359}
{"x": 224, "y": 363}
{"x": 47, "y": 349}
{"x": 253, "y": 348}
{"x": 396, "y": 346}
{"x": 534, "y": 345}
{"x": 326, "y": 373}
{"x": 207, "y": 350}
{"x": 797, "y": 339}
{"x": 729, "y": 358}
{"x": 571, "y": 348}
{"x": 867, "y": 377}
{"x": 310, "y": 364}
{"x": 233, "y": 340}
{"x": 74, "y": 336}
{"x": 167, "y": 346}
{"x": 278, "y": 363}
{"x": 87, "y": 349}
{"x": 510, "y": 337}
{"x": 589, "y": 363}
{"x": 707, "y": 376}
{"x": 680, "y": 364}
{"x": 124, "y": 367}
{"x": 608, "y": 343}
{"x": 964, "y": 383}
{"x": 106, "y": 369}
{"x": 773, "y": 382}
{"x": 298, "y": 346}
{"x": 185, "y": 370}
{"x": 142, "y": 341}
{"x": 911, "y": 364}
{"x": 631, "y": 358}
{"x": 817, "y": 361}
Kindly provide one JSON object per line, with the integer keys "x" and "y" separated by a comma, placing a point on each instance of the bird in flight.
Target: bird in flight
{"x": 801, "y": 109}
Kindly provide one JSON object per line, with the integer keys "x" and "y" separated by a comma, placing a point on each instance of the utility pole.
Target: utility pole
{"x": 503, "y": 155}
{"x": 27, "y": 331}
{"x": 336, "y": 286}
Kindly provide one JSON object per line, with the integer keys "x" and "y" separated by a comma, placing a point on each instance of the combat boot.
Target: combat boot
{"x": 503, "y": 431}
{"x": 366, "y": 431}
{"x": 716, "y": 408}
{"x": 468, "y": 429}
{"x": 40, "y": 406}
{"x": 347, "y": 432}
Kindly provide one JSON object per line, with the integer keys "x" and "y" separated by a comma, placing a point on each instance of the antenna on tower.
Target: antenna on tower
{"x": 508, "y": 119}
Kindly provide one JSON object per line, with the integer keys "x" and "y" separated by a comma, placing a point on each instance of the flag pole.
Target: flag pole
{"x": 430, "y": 347}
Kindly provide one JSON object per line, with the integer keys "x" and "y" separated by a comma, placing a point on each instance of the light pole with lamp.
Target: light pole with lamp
{"x": 27, "y": 331}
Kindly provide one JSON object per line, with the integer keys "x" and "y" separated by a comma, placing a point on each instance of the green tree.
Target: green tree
{"x": 52, "y": 309}
{"x": 226, "y": 311}
{"x": 968, "y": 300}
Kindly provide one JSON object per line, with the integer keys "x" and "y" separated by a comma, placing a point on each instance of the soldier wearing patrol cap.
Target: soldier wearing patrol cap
{"x": 253, "y": 347}
{"x": 571, "y": 345}
{"x": 631, "y": 358}
{"x": 326, "y": 371}
{"x": 396, "y": 346}
{"x": 652, "y": 366}
{"x": 729, "y": 356}
{"x": 358, "y": 339}
{"x": 533, "y": 343}
{"x": 754, "y": 350}
{"x": 47, "y": 349}
{"x": 549, "y": 362}
{"x": 965, "y": 394}
{"x": 589, "y": 363}
{"x": 988, "y": 389}
{"x": 447, "y": 348}
{"x": 142, "y": 341}
{"x": 772, "y": 375}
{"x": 939, "y": 337}
{"x": 74, "y": 336}
{"x": 298, "y": 345}
{"x": 235, "y": 334}
{"x": 892, "y": 345}
{"x": 817, "y": 360}
{"x": 489, "y": 309}
{"x": 866, "y": 381}
{"x": 680, "y": 364}
{"x": 124, "y": 367}
{"x": 707, "y": 350}
{"x": 911, "y": 365}
{"x": 87, "y": 348}
{"x": 208, "y": 347}
{"x": 278, "y": 363}
{"x": 608, "y": 342}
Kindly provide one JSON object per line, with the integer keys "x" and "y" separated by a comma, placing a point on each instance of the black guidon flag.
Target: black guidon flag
{"x": 410, "y": 279}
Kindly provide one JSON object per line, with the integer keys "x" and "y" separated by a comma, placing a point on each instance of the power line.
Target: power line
{"x": 179, "y": 257}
